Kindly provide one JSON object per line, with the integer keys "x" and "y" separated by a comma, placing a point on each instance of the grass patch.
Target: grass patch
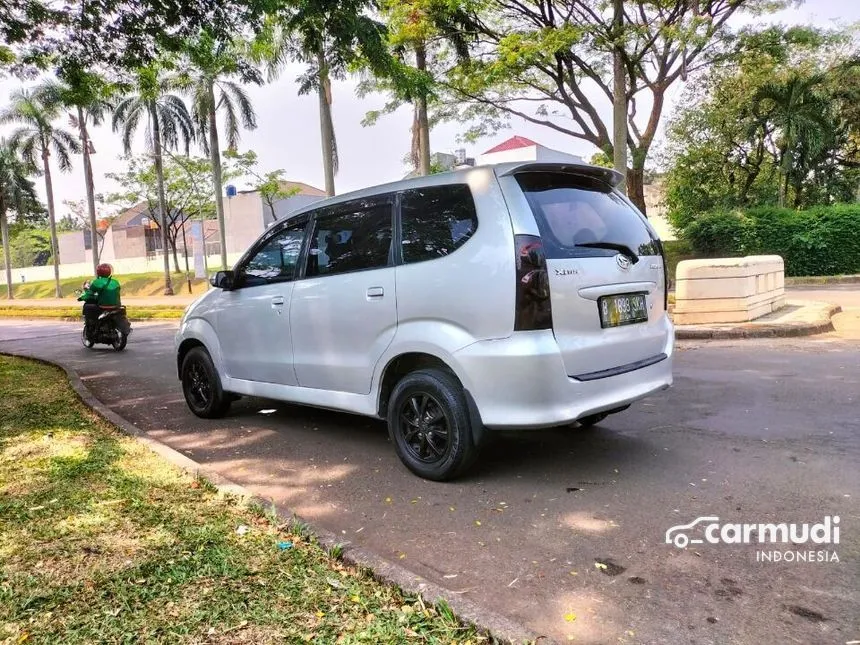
{"x": 103, "y": 541}
{"x": 133, "y": 285}
{"x": 134, "y": 313}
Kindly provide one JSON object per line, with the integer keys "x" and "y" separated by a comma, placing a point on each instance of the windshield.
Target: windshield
{"x": 578, "y": 215}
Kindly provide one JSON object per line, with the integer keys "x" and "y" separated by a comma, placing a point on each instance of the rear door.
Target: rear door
{"x": 605, "y": 273}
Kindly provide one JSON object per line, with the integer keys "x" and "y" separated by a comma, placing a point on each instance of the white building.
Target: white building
{"x": 521, "y": 149}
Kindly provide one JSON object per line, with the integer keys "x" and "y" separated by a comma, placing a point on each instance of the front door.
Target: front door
{"x": 254, "y": 318}
{"x": 344, "y": 312}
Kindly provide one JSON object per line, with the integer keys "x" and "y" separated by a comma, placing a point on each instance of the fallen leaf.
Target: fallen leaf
{"x": 600, "y": 566}
{"x": 477, "y": 522}
{"x": 574, "y": 573}
{"x": 570, "y": 617}
{"x": 387, "y": 500}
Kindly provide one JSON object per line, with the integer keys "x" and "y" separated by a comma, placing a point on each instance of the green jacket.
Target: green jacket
{"x": 103, "y": 292}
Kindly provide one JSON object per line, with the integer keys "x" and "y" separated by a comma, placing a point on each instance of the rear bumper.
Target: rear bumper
{"x": 521, "y": 382}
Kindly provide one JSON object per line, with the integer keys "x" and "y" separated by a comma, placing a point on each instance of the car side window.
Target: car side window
{"x": 436, "y": 221}
{"x": 355, "y": 237}
{"x": 276, "y": 260}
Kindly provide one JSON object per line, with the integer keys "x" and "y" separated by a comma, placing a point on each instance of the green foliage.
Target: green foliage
{"x": 270, "y": 184}
{"x": 777, "y": 121}
{"x": 30, "y": 247}
{"x": 823, "y": 240}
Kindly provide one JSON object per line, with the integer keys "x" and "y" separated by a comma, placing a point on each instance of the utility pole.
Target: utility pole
{"x": 619, "y": 96}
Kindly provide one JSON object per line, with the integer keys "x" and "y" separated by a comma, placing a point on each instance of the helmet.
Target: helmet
{"x": 104, "y": 270}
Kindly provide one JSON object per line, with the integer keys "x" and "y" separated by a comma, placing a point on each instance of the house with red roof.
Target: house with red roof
{"x": 519, "y": 148}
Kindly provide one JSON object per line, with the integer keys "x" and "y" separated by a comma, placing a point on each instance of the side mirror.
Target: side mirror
{"x": 223, "y": 280}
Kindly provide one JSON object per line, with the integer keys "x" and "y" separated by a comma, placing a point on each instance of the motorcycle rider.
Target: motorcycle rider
{"x": 103, "y": 293}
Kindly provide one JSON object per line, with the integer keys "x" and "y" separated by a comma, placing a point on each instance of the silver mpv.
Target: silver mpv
{"x": 522, "y": 295}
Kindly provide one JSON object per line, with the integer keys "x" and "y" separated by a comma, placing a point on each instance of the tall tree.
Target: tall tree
{"x": 36, "y": 139}
{"x": 550, "y": 62}
{"x": 212, "y": 77}
{"x": 89, "y": 97}
{"x": 168, "y": 125}
{"x": 424, "y": 35}
{"x": 17, "y": 193}
{"x": 328, "y": 38}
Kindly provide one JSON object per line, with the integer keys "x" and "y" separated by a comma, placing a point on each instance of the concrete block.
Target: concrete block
{"x": 728, "y": 290}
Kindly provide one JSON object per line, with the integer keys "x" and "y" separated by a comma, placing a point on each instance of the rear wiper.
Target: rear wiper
{"x": 612, "y": 246}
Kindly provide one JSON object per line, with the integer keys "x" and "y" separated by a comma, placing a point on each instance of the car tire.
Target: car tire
{"x": 591, "y": 420}
{"x": 201, "y": 386}
{"x": 430, "y": 426}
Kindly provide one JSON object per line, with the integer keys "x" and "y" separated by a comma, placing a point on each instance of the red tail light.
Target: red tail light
{"x": 533, "y": 307}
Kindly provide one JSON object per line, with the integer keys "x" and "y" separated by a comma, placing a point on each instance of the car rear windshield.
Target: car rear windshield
{"x": 574, "y": 212}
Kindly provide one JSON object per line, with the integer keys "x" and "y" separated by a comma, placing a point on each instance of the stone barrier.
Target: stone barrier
{"x": 728, "y": 290}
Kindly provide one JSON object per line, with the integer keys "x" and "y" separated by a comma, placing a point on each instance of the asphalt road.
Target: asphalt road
{"x": 753, "y": 431}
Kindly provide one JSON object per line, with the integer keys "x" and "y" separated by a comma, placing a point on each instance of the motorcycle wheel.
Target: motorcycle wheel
{"x": 120, "y": 340}
{"x": 86, "y": 341}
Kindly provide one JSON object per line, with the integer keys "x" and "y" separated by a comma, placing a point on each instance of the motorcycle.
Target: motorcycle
{"x": 110, "y": 328}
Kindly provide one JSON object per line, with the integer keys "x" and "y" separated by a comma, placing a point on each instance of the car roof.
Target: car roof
{"x": 607, "y": 175}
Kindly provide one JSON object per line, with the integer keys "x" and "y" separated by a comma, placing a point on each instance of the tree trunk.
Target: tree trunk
{"x": 7, "y": 255}
{"x": 423, "y": 121}
{"x": 174, "y": 252}
{"x": 91, "y": 198}
{"x": 326, "y": 123}
{"x": 162, "y": 201}
{"x": 215, "y": 159}
{"x": 636, "y": 187}
{"x": 619, "y": 99}
{"x": 52, "y": 221}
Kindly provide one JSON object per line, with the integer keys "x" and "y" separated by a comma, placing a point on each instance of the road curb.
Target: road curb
{"x": 503, "y": 629}
{"x": 821, "y": 280}
{"x": 822, "y": 325}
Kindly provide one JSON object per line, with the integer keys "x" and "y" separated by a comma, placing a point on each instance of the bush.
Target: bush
{"x": 824, "y": 240}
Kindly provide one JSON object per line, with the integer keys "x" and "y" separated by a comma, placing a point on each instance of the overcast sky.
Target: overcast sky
{"x": 288, "y": 130}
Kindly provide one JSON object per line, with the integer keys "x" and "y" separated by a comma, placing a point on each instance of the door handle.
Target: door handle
{"x": 374, "y": 293}
{"x": 277, "y": 301}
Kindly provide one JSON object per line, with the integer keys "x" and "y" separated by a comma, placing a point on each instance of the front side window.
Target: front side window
{"x": 436, "y": 221}
{"x": 577, "y": 215}
{"x": 276, "y": 260}
{"x": 355, "y": 237}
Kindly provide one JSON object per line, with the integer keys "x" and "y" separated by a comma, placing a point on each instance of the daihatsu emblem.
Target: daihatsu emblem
{"x": 623, "y": 262}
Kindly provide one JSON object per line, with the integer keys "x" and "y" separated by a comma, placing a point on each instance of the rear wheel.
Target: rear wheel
{"x": 85, "y": 338}
{"x": 120, "y": 340}
{"x": 430, "y": 426}
{"x": 201, "y": 386}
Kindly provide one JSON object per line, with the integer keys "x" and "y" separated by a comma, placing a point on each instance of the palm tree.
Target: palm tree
{"x": 212, "y": 66}
{"x": 281, "y": 49}
{"x": 800, "y": 114}
{"x": 17, "y": 193}
{"x": 36, "y": 139}
{"x": 89, "y": 95}
{"x": 328, "y": 38}
{"x": 168, "y": 124}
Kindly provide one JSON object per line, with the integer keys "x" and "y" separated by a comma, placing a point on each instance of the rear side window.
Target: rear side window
{"x": 574, "y": 212}
{"x": 356, "y": 237}
{"x": 436, "y": 221}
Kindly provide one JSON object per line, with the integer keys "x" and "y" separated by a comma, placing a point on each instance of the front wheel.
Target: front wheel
{"x": 430, "y": 426}
{"x": 201, "y": 386}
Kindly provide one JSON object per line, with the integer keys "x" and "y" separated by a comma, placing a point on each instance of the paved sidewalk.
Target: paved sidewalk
{"x": 797, "y": 318}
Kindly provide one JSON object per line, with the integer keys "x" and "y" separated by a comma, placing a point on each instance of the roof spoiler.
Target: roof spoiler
{"x": 608, "y": 175}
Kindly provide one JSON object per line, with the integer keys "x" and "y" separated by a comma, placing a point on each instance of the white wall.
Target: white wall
{"x": 120, "y": 267}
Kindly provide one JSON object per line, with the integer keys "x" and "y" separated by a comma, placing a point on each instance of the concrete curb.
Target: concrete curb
{"x": 822, "y": 280}
{"x": 821, "y": 325}
{"x": 502, "y": 629}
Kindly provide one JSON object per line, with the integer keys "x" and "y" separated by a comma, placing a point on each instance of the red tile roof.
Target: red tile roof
{"x": 512, "y": 144}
